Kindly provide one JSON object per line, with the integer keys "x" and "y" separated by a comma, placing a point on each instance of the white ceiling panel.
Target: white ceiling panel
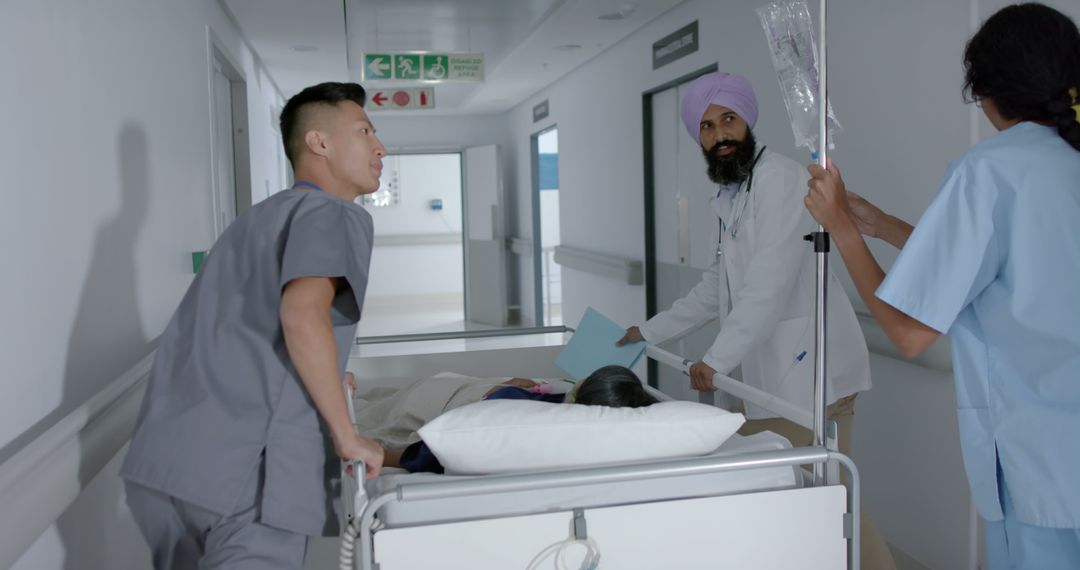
{"x": 527, "y": 44}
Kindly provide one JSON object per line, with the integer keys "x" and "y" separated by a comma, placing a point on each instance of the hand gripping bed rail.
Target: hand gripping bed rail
{"x": 354, "y": 496}
{"x": 355, "y": 501}
{"x": 738, "y": 389}
{"x": 493, "y": 484}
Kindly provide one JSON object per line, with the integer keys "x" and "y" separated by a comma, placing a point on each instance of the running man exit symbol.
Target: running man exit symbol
{"x": 406, "y": 66}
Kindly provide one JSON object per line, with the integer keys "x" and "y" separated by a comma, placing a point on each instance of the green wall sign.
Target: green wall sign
{"x": 423, "y": 66}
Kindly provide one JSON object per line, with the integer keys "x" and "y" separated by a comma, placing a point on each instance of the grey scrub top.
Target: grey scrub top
{"x": 225, "y": 409}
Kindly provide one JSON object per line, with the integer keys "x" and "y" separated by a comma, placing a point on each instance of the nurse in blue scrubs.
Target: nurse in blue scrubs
{"x": 995, "y": 264}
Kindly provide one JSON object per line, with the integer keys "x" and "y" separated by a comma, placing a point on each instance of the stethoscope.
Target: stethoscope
{"x": 741, "y": 198}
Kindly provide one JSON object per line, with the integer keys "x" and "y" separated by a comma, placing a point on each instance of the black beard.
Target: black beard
{"x": 732, "y": 169}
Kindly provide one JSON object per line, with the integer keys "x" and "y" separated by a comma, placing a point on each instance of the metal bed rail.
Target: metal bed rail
{"x": 738, "y": 389}
{"x": 362, "y": 518}
{"x": 820, "y": 456}
{"x": 461, "y": 335}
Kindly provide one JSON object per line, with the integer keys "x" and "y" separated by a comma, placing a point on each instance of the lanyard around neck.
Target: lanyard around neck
{"x": 306, "y": 184}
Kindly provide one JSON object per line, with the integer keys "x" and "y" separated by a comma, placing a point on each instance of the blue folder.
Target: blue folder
{"x": 593, "y": 346}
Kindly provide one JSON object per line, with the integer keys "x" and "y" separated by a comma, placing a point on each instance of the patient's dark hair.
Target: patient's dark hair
{"x": 613, "y": 386}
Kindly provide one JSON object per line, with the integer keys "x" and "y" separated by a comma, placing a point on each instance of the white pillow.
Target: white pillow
{"x": 504, "y": 436}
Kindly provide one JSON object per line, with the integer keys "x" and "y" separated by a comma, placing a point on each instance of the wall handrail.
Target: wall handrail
{"x": 418, "y": 239}
{"x": 520, "y": 246}
{"x": 44, "y": 478}
{"x": 628, "y": 271}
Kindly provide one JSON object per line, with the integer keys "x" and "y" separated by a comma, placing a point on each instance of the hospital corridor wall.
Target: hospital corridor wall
{"x": 106, "y": 108}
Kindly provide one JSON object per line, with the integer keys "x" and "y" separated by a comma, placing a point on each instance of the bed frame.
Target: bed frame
{"x": 815, "y": 526}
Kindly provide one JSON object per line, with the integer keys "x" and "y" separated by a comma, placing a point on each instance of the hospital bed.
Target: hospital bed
{"x": 748, "y": 505}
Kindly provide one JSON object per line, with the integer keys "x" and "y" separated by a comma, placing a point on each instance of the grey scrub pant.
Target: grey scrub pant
{"x": 183, "y": 536}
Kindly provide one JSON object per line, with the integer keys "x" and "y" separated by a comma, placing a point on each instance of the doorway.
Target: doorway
{"x": 547, "y": 273}
{"x": 229, "y": 141}
{"x": 680, "y": 230}
{"x": 416, "y": 278}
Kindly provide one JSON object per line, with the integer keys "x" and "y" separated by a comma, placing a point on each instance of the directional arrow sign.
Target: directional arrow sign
{"x": 378, "y": 66}
{"x": 402, "y": 99}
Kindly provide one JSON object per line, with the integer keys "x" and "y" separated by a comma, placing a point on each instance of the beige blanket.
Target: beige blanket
{"x": 392, "y": 416}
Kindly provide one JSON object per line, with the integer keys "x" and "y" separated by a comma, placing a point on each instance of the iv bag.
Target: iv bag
{"x": 791, "y": 44}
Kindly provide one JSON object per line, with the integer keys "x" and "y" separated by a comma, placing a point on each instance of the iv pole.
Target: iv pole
{"x": 820, "y": 239}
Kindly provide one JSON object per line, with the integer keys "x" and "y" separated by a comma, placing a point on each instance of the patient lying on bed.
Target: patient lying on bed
{"x": 613, "y": 386}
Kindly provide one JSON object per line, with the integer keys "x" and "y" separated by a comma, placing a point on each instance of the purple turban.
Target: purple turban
{"x": 723, "y": 89}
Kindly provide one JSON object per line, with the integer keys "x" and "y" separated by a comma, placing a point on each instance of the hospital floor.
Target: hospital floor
{"x": 424, "y": 314}
{"x": 411, "y": 314}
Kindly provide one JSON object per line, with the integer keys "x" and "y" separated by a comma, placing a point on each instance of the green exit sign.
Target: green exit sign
{"x": 429, "y": 67}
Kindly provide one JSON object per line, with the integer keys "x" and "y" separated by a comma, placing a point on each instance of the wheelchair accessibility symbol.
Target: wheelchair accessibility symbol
{"x": 435, "y": 67}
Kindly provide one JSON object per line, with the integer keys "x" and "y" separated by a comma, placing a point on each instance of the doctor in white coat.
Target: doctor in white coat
{"x": 762, "y": 283}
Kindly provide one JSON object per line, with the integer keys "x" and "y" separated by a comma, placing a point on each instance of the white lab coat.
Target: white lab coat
{"x": 767, "y": 273}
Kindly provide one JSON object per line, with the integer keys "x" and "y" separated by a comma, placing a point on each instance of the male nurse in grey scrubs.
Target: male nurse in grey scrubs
{"x": 236, "y": 450}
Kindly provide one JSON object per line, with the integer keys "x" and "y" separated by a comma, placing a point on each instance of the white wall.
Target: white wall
{"x": 421, "y": 178}
{"x": 409, "y": 270}
{"x": 108, "y": 162}
{"x": 433, "y": 268}
{"x": 413, "y": 134}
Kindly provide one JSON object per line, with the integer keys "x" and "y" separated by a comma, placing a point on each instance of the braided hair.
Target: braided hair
{"x": 1026, "y": 58}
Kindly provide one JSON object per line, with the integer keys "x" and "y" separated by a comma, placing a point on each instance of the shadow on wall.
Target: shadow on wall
{"x": 107, "y": 339}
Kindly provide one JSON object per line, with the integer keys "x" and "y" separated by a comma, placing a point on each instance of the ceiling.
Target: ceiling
{"x": 526, "y": 44}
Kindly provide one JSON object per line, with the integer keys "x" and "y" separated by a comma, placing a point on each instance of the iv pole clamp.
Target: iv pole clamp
{"x": 820, "y": 239}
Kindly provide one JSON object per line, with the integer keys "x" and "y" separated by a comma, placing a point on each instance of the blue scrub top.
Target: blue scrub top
{"x": 995, "y": 263}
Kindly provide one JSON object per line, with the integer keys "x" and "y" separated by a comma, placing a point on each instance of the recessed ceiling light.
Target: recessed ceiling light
{"x": 567, "y": 47}
{"x": 304, "y": 48}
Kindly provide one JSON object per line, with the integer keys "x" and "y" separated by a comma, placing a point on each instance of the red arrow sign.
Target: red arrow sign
{"x": 379, "y": 99}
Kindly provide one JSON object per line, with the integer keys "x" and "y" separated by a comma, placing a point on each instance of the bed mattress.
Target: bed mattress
{"x": 399, "y": 514}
